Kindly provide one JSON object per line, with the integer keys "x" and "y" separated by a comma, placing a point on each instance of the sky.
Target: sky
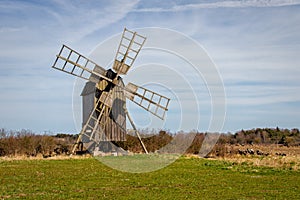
{"x": 253, "y": 44}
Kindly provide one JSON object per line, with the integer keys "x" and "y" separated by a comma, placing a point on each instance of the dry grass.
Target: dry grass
{"x": 290, "y": 161}
{"x": 274, "y": 159}
{"x": 271, "y": 149}
{"x": 40, "y": 157}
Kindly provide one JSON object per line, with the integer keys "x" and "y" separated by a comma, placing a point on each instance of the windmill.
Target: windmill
{"x": 106, "y": 119}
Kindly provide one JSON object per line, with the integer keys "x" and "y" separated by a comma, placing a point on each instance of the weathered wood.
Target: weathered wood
{"x": 113, "y": 125}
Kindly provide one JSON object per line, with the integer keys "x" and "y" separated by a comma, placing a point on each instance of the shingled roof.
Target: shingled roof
{"x": 89, "y": 88}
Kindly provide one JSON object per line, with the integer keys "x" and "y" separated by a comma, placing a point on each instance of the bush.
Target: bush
{"x": 25, "y": 142}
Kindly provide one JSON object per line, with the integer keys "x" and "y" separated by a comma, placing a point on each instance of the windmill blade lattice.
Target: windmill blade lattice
{"x": 72, "y": 62}
{"x": 151, "y": 101}
{"x": 129, "y": 47}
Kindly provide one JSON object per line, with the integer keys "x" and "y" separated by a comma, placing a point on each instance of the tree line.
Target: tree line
{"x": 25, "y": 142}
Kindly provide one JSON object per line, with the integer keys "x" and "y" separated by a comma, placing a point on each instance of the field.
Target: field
{"x": 187, "y": 178}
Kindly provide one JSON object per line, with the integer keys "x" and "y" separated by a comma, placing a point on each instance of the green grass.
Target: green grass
{"x": 184, "y": 179}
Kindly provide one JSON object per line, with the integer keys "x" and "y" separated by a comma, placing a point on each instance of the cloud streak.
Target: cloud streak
{"x": 223, "y": 4}
{"x": 87, "y": 18}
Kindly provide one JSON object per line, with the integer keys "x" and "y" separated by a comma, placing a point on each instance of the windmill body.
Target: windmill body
{"x": 116, "y": 124}
{"x": 104, "y": 95}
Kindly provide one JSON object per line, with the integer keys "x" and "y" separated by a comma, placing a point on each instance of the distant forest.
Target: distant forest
{"x": 25, "y": 142}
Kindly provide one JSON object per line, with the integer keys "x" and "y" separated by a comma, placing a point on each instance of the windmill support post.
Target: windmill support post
{"x": 76, "y": 144}
{"x": 136, "y": 131}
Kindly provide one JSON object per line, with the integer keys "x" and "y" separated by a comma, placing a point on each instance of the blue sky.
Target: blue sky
{"x": 255, "y": 45}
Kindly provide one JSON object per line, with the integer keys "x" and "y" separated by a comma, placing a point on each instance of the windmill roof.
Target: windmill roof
{"x": 88, "y": 88}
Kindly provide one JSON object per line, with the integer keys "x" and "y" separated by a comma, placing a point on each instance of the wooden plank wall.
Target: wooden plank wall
{"x": 115, "y": 129}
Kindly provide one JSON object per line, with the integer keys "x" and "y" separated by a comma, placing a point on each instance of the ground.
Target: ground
{"x": 186, "y": 178}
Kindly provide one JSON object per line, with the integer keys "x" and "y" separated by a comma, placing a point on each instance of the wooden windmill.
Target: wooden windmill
{"x": 105, "y": 113}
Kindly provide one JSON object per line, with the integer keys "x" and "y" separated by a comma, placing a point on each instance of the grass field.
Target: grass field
{"x": 187, "y": 178}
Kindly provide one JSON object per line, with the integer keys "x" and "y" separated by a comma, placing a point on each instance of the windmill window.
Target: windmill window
{"x": 163, "y": 101}
{"x": 128, "y": 61}
{"x": 155, "y": 98}
{"x": 86, "y": 75}
{"x": 122, "y": 50}
{"x": 137, "y": 99}
{"x": 77, "y": 71}
{"x": 135, "y": 46}
{"x": 145, "y": 104}
{"x": 148, "y": 95}
{"x": 126, "y": 42}
{"x": 60, "y": 63}
{"x": 82, "y": 61}
{"x": 128, "y": 35}
{"x": 69, "y": 67}
{"x": 140, "y": 91}
{"x": 152, "y": 108}
{"x": 74, "y": 57}
{"x": 65, "y": 52}
{"x": 160, "y": 112}
{"x": 138, "y": 39}
{"x": 90, "y": 65}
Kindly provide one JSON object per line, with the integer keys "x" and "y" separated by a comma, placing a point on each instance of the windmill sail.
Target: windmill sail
{"x": 129, "y": 47}
{"x": 72, "y": 62}
{"x": 151, "y": 101}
